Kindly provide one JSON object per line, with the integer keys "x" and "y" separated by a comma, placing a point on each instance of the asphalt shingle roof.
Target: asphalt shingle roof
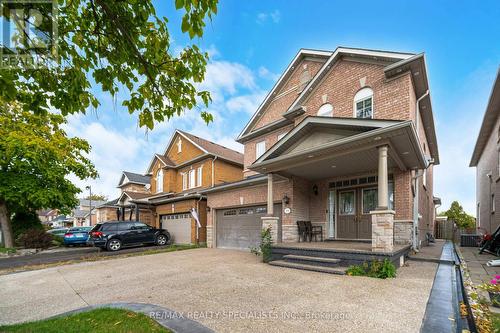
{"x": 137, "y": 178}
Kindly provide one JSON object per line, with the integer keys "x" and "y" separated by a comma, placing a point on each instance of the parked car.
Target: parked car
{"x": 58, "y": 231}
{"x": 77, "y": 236}
{"x": 115, "y": 235}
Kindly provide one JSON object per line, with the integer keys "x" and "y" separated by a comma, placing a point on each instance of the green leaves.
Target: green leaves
{"x": 457, "y": 214}
{"x": 118, "y": 45}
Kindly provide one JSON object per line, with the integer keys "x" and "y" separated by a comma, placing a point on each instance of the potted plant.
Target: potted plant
{"x": 493, "y": 289}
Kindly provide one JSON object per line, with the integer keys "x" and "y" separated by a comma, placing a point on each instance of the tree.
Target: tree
{"x": 96, "y": 197}
{"x": 118, "y": 45}
{"x": 35, "y": 158}
{"x": 457, "y": 214}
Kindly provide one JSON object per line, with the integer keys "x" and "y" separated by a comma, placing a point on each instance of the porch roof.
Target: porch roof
{"x": 321, "y": 147}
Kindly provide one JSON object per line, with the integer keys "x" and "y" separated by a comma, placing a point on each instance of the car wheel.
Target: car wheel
{"x": 161, "y": 240}
{"x": 114, "y": 244}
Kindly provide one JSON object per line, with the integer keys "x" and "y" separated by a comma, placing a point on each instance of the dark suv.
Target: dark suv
{"x": 114, "y": 235}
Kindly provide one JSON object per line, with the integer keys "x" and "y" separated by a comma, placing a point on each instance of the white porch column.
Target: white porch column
{"x": 382, "y": 217}
{"x": 270, "y": 221}
{"x": 383, "y": 178}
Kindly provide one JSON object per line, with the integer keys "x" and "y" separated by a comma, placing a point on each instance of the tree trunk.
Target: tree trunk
{"x": 5, "y": 224}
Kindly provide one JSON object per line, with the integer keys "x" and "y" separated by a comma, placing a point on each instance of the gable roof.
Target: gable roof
{"x": 134, "y": 178}
{"x": 163, "y": 160}
{"x": 395, "y": 64}
{"x": 489, "y": 120}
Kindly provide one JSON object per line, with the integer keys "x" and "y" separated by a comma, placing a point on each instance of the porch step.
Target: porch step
{"x": 306, "y": 267}
{"x": 310, "y": 260}
{"x": 337, "y": 240}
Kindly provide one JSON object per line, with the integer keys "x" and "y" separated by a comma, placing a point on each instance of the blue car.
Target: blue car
{"x": 77, "y": 236}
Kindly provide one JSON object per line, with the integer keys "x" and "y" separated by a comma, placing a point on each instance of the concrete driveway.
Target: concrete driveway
{"x": 228, "y": 291}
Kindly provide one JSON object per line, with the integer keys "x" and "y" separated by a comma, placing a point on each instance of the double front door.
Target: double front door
{"x": 353, "y": 212}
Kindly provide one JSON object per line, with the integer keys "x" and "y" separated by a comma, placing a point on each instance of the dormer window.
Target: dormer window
{"x": 363, "y": 103}
{"x": 179, "y": 145}
{"x": 159, "y": 181}
{"x": 326, "y": 110}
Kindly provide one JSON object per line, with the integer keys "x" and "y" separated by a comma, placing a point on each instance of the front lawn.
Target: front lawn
{"x": 99, "y": 320}
{"x": 495, "y": 320}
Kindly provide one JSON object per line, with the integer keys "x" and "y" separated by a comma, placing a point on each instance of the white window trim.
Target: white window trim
{"x": 179, "y": 145}
{"x": 184, "y": 181}
{"x": 363, "y": 98}
{"x": 199, "y": 176}
{"x": 192, "y": 178}
{"x": 159, "y": 181}
{"x": 257, "y": 155}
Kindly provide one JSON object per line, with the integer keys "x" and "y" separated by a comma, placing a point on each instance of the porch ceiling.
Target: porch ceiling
{"x": 304, "y": 154}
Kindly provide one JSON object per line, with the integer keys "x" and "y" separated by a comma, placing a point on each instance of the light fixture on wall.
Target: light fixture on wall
{"x": 208, "y": 209}
{"x": 286, "y": 199}
{"x": 315, "y": 189}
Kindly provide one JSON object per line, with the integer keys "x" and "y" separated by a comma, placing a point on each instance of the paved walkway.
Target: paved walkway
{"x": 227, "y": 291}
{"x": 432, "y": 253}
{"x": 476, "y": 263}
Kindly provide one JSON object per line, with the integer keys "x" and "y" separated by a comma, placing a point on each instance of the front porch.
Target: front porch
{"x": 333, "y": 256}
{"x": 352, "y": 177}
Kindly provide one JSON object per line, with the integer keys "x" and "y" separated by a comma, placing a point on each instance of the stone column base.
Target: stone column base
{"x": 382, "y": 230}
{"x": 210, "y": 236}
{"x": 271, "y": 222}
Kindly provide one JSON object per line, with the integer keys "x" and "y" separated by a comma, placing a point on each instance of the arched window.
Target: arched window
{"x": 159, "y": 181}
{"x": 363, "y": 103}
{"x": 325, "y": 110}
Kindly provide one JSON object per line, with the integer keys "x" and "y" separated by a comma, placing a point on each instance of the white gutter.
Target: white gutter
{"x": 417, "y": 175}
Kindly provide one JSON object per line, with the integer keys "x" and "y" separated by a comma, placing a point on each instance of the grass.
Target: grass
{"x": 495, "y": 320}
{"x": 98, "y": 257}
{"x": 99, "y": 320}
{"x": 7, "y": 250}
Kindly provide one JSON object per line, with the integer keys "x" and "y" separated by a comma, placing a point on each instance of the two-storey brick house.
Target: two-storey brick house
{"x": 346, "y": 140}
{"x": 169, "y": 194}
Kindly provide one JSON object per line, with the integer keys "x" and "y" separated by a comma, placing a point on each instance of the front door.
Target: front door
{"x": 354, "y": 207}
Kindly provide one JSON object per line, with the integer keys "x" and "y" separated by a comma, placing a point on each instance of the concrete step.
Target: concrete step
{"x": 305, "y": 267}
{"x": 310, "y": 260}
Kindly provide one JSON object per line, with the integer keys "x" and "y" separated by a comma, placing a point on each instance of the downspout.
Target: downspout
{"x": 417, "y": 175}
{"x": 213, "y": 170}
{"x": 199, "y": 216}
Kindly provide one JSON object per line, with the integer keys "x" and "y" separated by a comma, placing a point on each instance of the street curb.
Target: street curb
{"x": 169, "y": 319}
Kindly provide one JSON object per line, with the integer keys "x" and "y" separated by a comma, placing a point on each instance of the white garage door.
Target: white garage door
{"x": 179, "y": 227}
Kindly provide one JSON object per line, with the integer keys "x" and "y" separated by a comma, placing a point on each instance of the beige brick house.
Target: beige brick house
{"x": 169, "y": 194}
{"x": 345, "y": 139}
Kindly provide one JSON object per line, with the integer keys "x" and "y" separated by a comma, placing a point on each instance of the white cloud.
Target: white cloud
{"x": 274, "y": 16}
{"x": 245, "y": 103}
{"x": 268, "y": 75}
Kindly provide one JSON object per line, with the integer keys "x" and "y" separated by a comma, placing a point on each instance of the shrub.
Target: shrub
{"x": 24, "y": 221}
{"x": 377, "y": 269}
{"x": 35, "y": 238}
{"x": 265, "y": 245}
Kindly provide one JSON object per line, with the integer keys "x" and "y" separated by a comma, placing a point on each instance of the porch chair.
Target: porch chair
{"x": 301, "y": 225}
{"x": 314, "y": 231}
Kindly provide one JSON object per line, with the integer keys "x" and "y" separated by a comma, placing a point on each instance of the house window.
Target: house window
{"x": 192, "y": 178}
{"x": 363, "y": 103}
{"x": 179, "y": 145}
{"x": 370, "y": 198}
{"x": 325, "y": 110}
{"x": 184, "y": 181}
{"x": 424, "y": 178}
{"x": 260, "y": 149}
{"x": 305, "y": 77}
{"x": 346, "y": 203}
{"x": 159, "y": 181}
{"x": 199, "y": 176}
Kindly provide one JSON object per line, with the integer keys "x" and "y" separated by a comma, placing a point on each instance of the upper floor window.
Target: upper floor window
{"x": 260, "y": 149}
{"x": 179, "y": 145}
{"x": 184, "y": 181}
{"x": 159, "y": 181}
{"x": 363, "y": 103}
{"x": 192, "y": 178}
{"x": 325, "y": 110}
{"x": 199, "y": 176}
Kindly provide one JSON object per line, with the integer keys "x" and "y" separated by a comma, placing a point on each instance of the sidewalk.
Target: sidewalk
{"x": 476, "y": 263}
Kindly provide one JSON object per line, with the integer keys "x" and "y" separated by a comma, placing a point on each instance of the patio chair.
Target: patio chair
{"x": 314, "y": 231}
{"x": 301, "y": 225}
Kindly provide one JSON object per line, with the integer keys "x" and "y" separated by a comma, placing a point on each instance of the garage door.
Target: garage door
{"x": 239, "y": 228}
{"x": 179, "y": 227}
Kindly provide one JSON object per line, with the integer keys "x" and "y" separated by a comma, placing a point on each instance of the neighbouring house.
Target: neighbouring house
{"x": 346, "y": 140}
{"x": 486, "y": 159}
{"x": 47, "y": 215}
{"x": 169, "y": 194}
{"x": 62, "y": 221}
{"x": 83, "y": 215}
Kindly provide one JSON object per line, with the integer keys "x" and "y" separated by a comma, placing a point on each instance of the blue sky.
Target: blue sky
{"x": 251, "y": 42}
